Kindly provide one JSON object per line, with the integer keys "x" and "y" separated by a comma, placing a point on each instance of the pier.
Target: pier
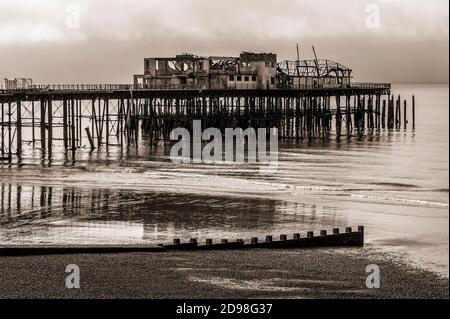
{"x": 304, "y": 99}
{"x": 103, "y": 115}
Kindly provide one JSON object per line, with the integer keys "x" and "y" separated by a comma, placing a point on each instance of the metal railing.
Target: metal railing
{"x": 84, "y": 87}
{"x": 370, "y": 85}
{"x": 129, "y": 87}
{"x": 356, "y": 85}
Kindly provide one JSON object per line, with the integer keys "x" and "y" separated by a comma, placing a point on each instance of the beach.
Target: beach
{"x": 291, "y": 274}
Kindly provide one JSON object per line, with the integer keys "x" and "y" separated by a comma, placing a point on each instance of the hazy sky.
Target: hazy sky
{"x": 45, "y": 40}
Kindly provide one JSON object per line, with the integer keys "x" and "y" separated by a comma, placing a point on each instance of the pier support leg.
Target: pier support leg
{"x": 72, "y": 127}
{"x": 50, "y": 127}
{"x": 89, "y": 136}
{"x": 42, "y": 115}
{"x": 65, "y": 124}
{"x": 19, "y": 128}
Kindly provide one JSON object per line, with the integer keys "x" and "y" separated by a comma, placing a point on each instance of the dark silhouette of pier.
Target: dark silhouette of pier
{"x": 107, "y": 114}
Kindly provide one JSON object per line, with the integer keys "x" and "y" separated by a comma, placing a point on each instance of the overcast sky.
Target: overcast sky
{"x": 45, "y": 40}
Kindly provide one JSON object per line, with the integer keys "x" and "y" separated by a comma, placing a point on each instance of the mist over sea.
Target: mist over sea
{"x": 395, "y": 183}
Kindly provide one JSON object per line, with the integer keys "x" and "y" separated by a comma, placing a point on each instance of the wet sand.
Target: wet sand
{"x": 307, "y": 273}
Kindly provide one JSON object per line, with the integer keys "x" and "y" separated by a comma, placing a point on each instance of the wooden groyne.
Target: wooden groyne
{"x": 349, "y": 238}
{"x": 105, "y": 115}
{"x": 310, "y": 239}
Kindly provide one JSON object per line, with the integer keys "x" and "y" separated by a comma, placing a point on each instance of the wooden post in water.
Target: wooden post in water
{"x": 107, "y": 121}
{"x": 69, "y": 122}
{"x": 9, "y": 131}
{"x": 91, "y": 141}
{"x": 363, "y": 111}
{"x": 72, "y": 127}
{"x": 92, "y": 131}
{"x": 378, "y": 111}
{"x": 80, "y": 123}
{"x": 396, "y": 113}
{"x": 32, "y": 123}
{"x": 404, "y": 115}
{"x": 127, "y": 121}
{"x": 42, "y": 105}
{"x": 391, "y": 113}
{"x": 414, "y": 112}
{"x": 120, "y": 122}
{"x": 50, "y": 127}
{"x": 96, "y": 123}
{"x": 65, "y": 124}
{"x": 136, "y": 121}
{"x": 19, "y": 127}
{"x": 338, "y": 115}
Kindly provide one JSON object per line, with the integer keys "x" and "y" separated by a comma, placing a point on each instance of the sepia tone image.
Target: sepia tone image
{"x": 224, "y": 150}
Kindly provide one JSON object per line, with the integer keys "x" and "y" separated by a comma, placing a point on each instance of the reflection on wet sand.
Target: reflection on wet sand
{"x": 42, "y": 214}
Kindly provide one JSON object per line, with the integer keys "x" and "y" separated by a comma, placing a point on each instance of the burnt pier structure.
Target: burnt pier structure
{"x": 98, "y": 116}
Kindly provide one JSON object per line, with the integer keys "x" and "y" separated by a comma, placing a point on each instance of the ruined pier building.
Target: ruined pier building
{"x": 248, "y": 71}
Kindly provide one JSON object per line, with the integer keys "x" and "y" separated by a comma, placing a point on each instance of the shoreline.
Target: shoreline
{"x": 300, "y": 273}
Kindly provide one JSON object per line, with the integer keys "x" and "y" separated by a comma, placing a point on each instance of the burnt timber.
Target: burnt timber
{"x": 108, "y": 112}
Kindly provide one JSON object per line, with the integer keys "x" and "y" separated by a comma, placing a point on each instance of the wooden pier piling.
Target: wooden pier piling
{"x": 43, "y": 125}
{"x": 65, "y": 125}
{"x": 405, "y": 120}
{"x": 19, "y": 127}
{"x": 50, "y": 127}
{"x": 126, "y": 115}
{"x": 91, "y": 141}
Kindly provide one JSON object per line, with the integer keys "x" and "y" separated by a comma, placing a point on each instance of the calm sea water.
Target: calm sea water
{"x": 395, "y": 183}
